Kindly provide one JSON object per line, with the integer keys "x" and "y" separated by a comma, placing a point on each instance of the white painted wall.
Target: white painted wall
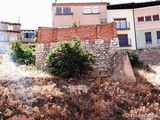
{"x": 128, "y": 14}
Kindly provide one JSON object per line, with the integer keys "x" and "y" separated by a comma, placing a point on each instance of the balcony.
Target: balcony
{"x": 123, "y": 25}
{"x": 125, "y": 42}
{"x": 103, "y": 21}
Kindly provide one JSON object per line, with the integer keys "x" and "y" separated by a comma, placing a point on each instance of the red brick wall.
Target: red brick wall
{"x": 88, "y": 32}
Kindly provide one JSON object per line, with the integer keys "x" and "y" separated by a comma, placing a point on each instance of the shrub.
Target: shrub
{"x": 23, "y": 54}
{"x": 69, "y": 60}
{"x": 134, "y": 59}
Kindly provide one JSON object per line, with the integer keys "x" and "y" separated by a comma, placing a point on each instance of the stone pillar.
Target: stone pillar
{"x": 41, "y": 51}
{"x": 122, "y": 67}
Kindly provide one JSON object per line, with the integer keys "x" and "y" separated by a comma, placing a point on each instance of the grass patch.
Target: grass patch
{"x": 30, "y": 67}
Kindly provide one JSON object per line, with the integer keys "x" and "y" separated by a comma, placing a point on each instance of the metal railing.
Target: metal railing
{"x": 122, "y": 25}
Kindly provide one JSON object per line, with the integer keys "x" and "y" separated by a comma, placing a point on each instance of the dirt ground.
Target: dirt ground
{"x": 88, "y": 99}
{"x": 32, "y": 95}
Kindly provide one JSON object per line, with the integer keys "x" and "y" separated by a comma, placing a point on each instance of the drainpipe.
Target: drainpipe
{"x": 134, "y": 28}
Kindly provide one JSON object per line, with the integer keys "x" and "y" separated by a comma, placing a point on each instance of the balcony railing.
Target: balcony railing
{"x": 123, "y": 25}
{"x": 125, "y": 43}
{"x": 103, "y": 21}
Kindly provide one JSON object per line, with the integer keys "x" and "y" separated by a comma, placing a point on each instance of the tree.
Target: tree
{"x": 69, "y": 60}
{"x": 23, "y": 54}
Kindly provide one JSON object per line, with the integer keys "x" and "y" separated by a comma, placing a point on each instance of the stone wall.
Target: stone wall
{"x": 109, "y": 60}
{"x": 150, "y": 56}
{"x": 103, "y": 52}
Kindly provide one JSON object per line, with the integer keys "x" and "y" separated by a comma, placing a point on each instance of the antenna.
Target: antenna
{"x": 19, "y": 19}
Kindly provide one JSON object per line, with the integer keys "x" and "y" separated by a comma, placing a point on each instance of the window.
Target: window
{"x": 2, "y": 38}
{"x": 121, "y": 23}
{"x": 148, "y": 38}
{"x": 13, "y": 37}
{"x": 140, "y": 19}
{"x": 158, "y": 36}
{"x": 123, "y": 40}
{"x": 59, "y": 10}
{"x": 95, "y": 9}
{"x": 155, "y": 17}
{"x": 148, "y": 18}
{"x": 28, "y": 35}
{"x": 88, "y": 9}
{"x": 66, "y": 10}
{"x": 10, "y": 27}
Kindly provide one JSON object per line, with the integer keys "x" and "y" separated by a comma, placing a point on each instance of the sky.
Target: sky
{"x": 37, "y": 13}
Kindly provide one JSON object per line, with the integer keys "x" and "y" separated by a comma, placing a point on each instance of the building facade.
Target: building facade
{"x": 12, "y": 31}
{"x": 147, "y": 21}
{"x": 138, "y": 24}
{"x": 144, "y": 23}
{"x": 28, "y": 36}
{"x": 75, "y": 14}
{"x": 124, "y": 20}
{"x": 9, "y": 31}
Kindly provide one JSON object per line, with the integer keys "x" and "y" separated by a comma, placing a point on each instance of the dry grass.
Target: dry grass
{"x": 151, "y": 74}
{"x": 47, "y": 98}
{"x": 35, "y": 95}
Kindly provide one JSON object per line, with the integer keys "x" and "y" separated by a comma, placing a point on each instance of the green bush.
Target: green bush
{"x": 134, "y": 59}
{"x": 69, "y": 60}
{"x": 23, "y": 54}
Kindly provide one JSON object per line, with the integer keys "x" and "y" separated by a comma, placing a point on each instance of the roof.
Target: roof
{"x": 26, "y": 30}
{"x": 2, "y": 22}
{"x": 13, "y": 31}
{"x": 133, "y": 5}
{"x": 79, "y": 4}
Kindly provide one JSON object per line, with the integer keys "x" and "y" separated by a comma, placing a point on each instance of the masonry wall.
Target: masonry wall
{"x": 87, "y": 32}
{"x": 103, "y": 52}
{"x": 99, "y": 40}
